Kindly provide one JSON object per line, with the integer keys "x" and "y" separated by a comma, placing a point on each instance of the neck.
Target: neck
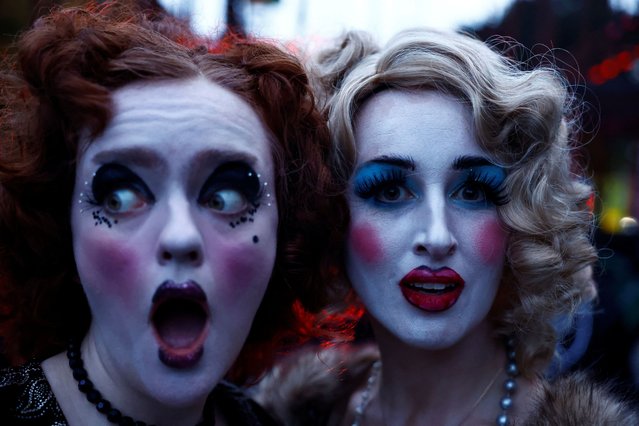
{"x": 451, "y": 386}
{"x": 120, "y": 391}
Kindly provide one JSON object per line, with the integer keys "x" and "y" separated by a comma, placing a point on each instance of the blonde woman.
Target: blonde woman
{"x": 469, "y": 233}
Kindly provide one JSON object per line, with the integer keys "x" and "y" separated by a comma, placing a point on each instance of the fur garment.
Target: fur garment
{"x": 313, "y": 388}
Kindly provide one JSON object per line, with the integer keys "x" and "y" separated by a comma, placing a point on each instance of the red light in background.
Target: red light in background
{"x": 610, "y": 68}
{"x": 624, "y": 60}
{"x": 594, "y": 75}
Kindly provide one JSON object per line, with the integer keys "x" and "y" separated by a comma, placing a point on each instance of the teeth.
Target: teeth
{"x": 432, "y": 286}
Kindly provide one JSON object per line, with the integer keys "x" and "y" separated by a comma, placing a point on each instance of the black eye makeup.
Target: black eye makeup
{"x": 383, "y": 186}
{"x": 385, "y": 181}
{"x": 233, "y": 188}
{"x": 118, "y": 190}
{"x": 481, "y": 185}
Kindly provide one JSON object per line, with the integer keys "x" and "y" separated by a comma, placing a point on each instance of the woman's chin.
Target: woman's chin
{"x": 178, "y": 390}
{"x": 148, "y": 374}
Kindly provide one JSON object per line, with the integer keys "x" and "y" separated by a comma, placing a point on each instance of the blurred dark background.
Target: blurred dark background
{"x": 598, "y": 47}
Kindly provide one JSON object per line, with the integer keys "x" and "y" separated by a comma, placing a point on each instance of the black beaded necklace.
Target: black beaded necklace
{"x": 112, "y": 414}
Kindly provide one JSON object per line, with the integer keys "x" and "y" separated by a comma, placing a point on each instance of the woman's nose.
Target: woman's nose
{"x": 180, "y": 240}
{"x": 434, "y": 236}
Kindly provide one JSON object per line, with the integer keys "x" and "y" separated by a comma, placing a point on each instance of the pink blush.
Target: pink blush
{"x": 365, "y": 243}
{"x": 114, "y": 266}
{"x": 240, "y": 266}
{"x": 490, "y": 240}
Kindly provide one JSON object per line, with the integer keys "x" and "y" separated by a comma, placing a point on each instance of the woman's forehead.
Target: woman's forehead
{"x": 177, "y": 115}
{"x": 428, "y": 126}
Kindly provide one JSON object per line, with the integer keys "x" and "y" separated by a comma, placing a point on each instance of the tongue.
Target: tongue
{"x": 179, "y": 323}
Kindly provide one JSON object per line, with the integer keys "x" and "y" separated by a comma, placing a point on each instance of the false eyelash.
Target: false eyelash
{"x": 256, "y": 201}
{"x": 88, "y": 199}
{"x": 495, "y": 191}
{"x": 369, "y": 186}
{"x": 258, "y": 197}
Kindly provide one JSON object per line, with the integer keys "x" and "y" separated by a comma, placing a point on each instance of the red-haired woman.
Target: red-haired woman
{"x": 165, "y": 208}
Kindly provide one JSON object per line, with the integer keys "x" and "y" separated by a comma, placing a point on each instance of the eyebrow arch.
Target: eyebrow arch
{"x": 213, "y": 156}
{"x": 147, "y": 158}
{"x": 468, "y": 161}
{"x": 133, "y": 155}
{"x": 399, "y": 161}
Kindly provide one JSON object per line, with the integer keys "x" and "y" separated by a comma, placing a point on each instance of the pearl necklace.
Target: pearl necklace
{"x": 366, "y": 395}
{"x": 505, "y": 403}
{"x": 103, "y": 406}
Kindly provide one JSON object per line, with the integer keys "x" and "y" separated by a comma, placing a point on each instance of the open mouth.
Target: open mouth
{"x": 432, "y": 297}
{"x": 433, "y": 288}
{"x": 180, "y": 319}
{"x": 432, "y": 291}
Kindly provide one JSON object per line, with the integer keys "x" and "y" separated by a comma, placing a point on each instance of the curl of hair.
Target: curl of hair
{"x": 522, "y": 119}
{"x": 58, "y": 86}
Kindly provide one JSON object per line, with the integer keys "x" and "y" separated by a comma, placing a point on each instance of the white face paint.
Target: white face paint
{"x": 425, "y": 250}
{"x": 174, "y": 232}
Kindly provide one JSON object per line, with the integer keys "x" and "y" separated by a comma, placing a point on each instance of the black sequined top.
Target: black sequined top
{"x": 26, "y": 399}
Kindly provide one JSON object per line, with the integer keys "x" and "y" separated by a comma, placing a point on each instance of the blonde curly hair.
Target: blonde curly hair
{"x": 525, "y": 120}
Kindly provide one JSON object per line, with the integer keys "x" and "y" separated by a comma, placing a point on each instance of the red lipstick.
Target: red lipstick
{"x": 180, "y": 320}
{"x": 432, "y": 290}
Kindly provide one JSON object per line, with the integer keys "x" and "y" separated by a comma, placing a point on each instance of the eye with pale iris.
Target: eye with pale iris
{"x": 231, "y": 189}
{"x": 227, "y": 201}
{"x": 119, "y": 190}
{"x": 123, "y": 201}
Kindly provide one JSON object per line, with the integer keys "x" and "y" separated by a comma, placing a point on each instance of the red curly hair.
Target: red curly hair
{"x": 59, "y": 85}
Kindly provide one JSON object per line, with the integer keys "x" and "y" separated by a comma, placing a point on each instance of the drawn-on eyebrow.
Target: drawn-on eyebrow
{"x": 468, "y": 161}
{"x": 399, "y": 161}
{"x": 214, "y": 156}
{"x": 142, "y": 157}
{"x": 147, "y": 158}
